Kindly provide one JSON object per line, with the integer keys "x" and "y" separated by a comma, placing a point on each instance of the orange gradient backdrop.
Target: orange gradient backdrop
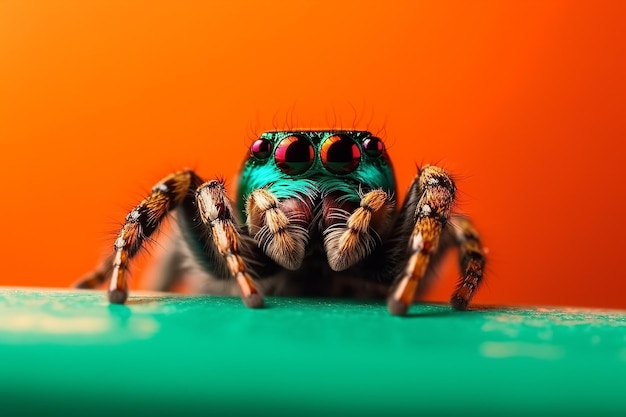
{"x": 523, "y": 101}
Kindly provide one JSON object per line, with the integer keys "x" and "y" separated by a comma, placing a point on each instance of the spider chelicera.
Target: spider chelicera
{"x": 321, "y": 219}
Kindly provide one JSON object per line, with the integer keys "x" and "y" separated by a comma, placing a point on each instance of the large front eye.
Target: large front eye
{"x": 294, "y": 155}
{"x": 340, "y": 154}
{"x": 261, "y": 148}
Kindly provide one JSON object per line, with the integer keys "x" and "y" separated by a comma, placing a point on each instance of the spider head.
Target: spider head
{"x": 316, "y": 161}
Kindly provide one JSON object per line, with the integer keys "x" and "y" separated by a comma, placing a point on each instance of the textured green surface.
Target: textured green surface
{"x": 71, "y": 353}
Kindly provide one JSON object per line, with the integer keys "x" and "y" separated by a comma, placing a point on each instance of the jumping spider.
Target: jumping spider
{"x": 320, "y": 220}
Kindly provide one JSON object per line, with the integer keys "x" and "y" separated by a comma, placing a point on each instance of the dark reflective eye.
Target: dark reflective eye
{"x": 373, "y": 147}
{"x": 340, "y": 154}
{"x": 261, "y": 148}
{"x": 294, "y": 155}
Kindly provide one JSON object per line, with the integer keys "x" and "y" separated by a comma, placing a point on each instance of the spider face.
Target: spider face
{"x": 287, "y": 162}
{"x": 320, "y": 219}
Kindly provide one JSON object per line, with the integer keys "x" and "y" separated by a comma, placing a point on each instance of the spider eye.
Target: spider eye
{"x": 373, "y": 147}
{"x": 340, "y": 154}
{"x": 294, "y": 155}
{"x": 261, "y": 148}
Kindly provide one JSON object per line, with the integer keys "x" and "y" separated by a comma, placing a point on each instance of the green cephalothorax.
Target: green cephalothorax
{"x": 314, "y": 163}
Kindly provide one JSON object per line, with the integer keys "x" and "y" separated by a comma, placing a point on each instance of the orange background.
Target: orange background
{"x": 525, "y": 102}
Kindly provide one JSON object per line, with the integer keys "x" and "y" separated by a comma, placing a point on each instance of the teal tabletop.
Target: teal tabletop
{"x": 71, "y": 353}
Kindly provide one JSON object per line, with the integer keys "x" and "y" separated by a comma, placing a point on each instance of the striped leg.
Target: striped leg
{"x": 434, "y": 195}
{"x": 216, "y": 213}
{"x": 142, "y": 221}
{"x": 471, "y": 258}
{"x": 351, "y": 235}
{"x": 205, "y": 207}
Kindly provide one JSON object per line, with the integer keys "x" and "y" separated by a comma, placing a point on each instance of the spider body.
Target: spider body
{"x": 316, "y": 215}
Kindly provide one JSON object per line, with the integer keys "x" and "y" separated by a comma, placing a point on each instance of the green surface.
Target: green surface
{"x": 72, "y": 353}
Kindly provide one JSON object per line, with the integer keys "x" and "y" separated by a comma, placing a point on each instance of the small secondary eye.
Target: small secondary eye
{"x": 294, "y": 155}
{"x": 261, "y": 148}
{"x": 373, "y": 146}
{"x": 340, "y": 154}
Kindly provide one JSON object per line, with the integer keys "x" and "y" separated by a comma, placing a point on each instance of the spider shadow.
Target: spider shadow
{"x": 184, "y": 298}
{"x": 417, "y": 315}
{"x": 448, "y": 311}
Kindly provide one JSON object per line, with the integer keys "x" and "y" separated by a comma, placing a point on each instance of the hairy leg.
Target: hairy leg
{"x": 430, "y": 200}
{"x": 207, "y": 214}
{"x": 458, "y": 233}
{"x": 471, "y": 258}
{"x": 216, "y": 213}
{"x": 140, "y": 224}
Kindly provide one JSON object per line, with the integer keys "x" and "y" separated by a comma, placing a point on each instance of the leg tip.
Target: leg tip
{"x": 397, "y": 307}
{"x": 118, "y": 296}
{"x": 459, "y": 303}
{"x": 253, "y": 301}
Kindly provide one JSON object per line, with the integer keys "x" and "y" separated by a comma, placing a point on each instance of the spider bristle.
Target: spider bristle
{"x": 252, "y": 133}
{"x": 381, "y": 132}
{"x": 290, "y": 116}
{"x": 355, "y": 119}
